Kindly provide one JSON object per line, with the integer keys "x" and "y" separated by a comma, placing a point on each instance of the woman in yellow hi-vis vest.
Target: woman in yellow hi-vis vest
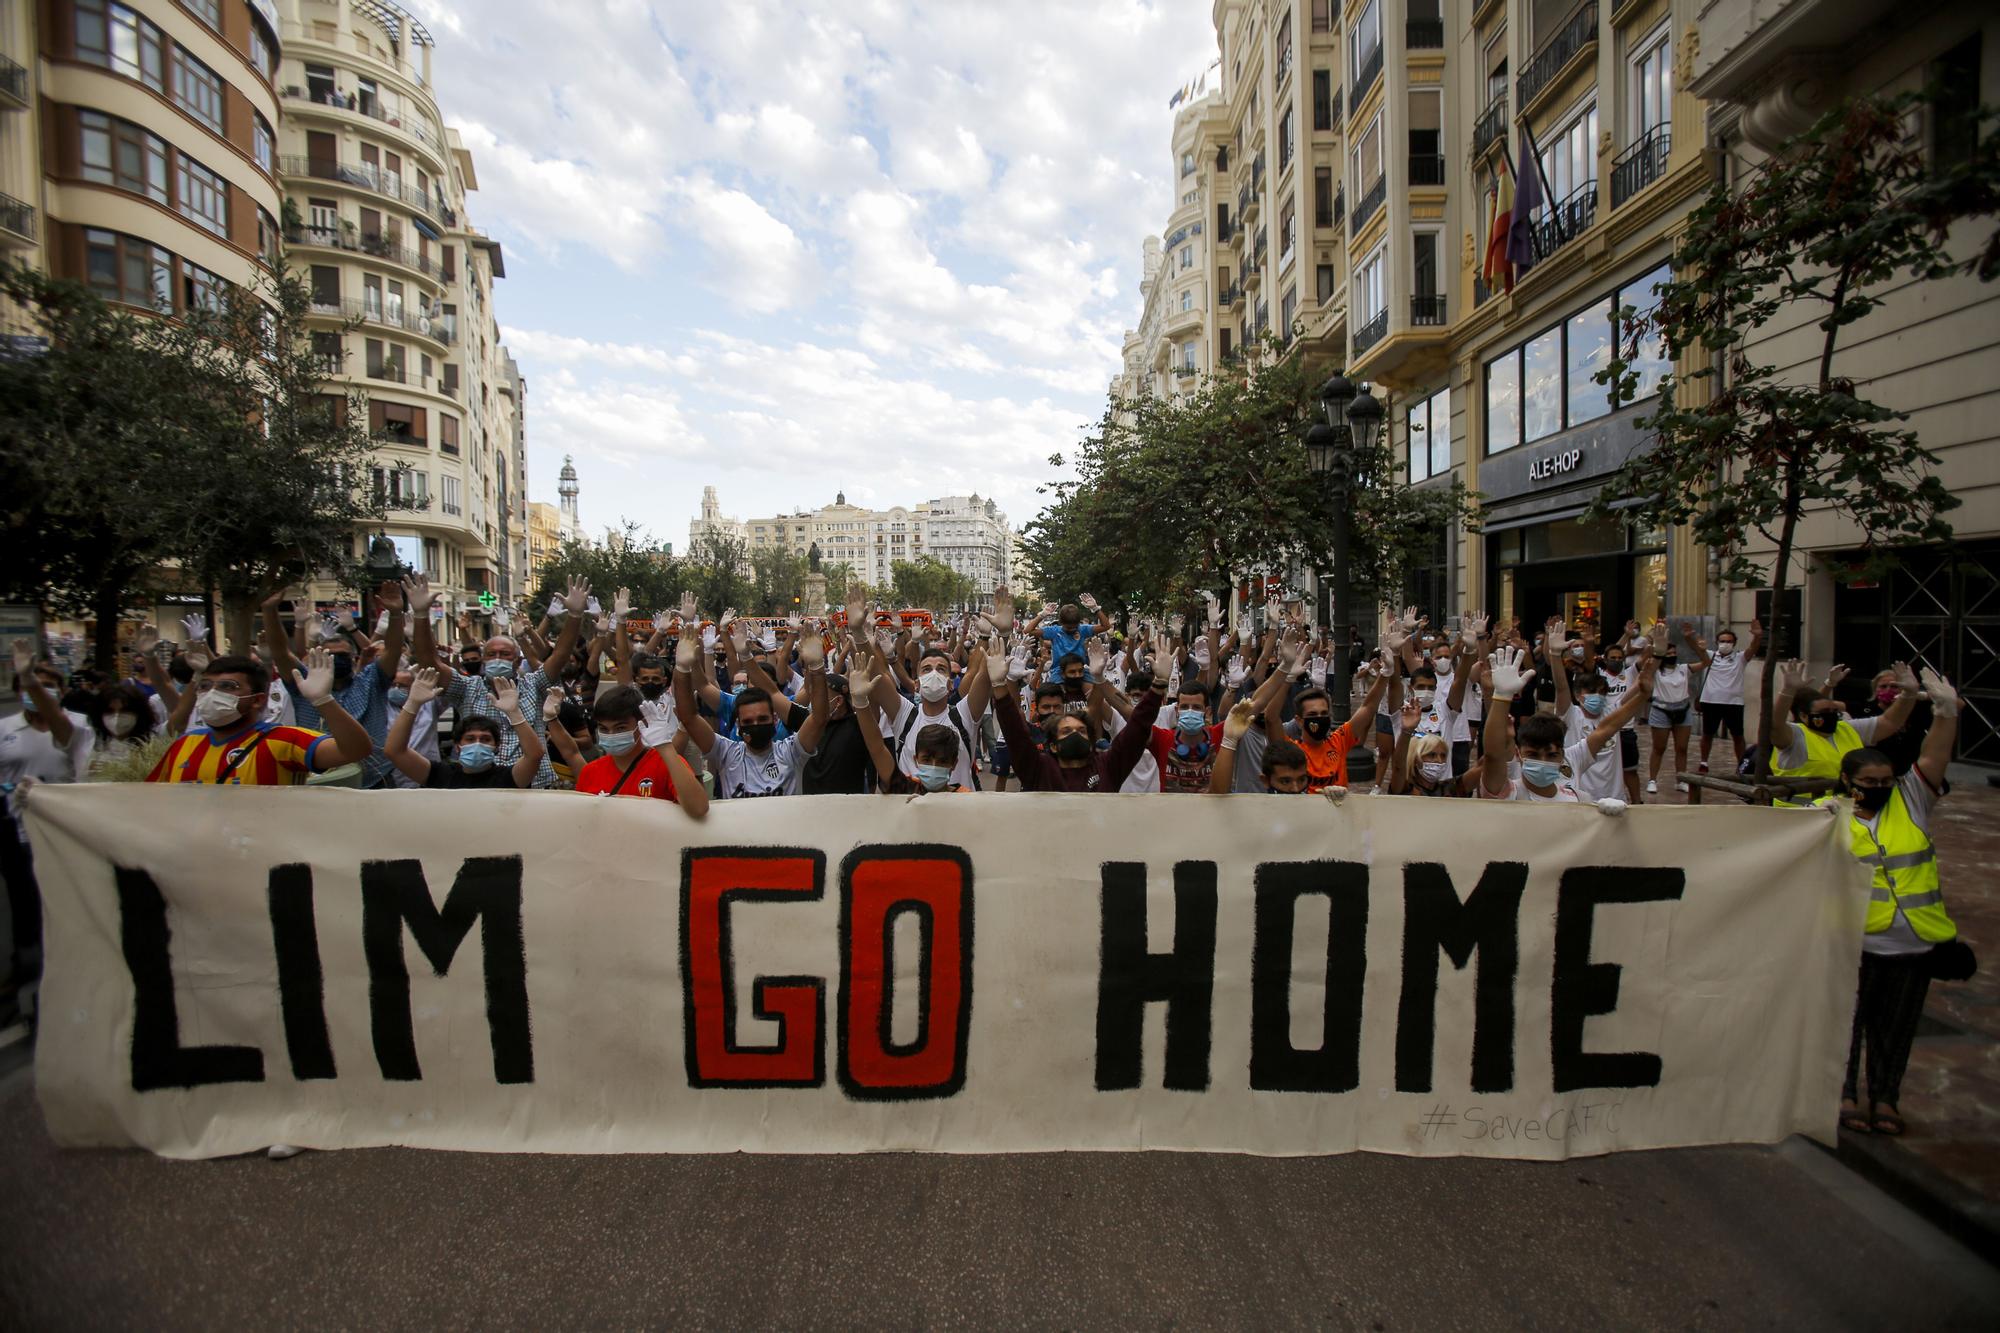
{"x": 1889, "y": 826}
{"x": 1810, "y": 730}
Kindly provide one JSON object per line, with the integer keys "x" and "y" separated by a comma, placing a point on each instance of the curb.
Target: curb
{"x": 1965, "y": 1216}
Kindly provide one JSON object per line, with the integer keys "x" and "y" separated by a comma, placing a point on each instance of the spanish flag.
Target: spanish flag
{"x": 1498, "y": 270}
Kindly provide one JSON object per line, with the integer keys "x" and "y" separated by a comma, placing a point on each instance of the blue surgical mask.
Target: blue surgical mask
{"x": 398, "y": 696}
{"x": 1593, "y": 704}
{"x": 1541, "y": 772}
{"x": 475, "y": 756}
{"x": 617, "y": 742}
{"x": 935, "y": 777}
{"x": 499, "y": 666}
{"x": 1192, "y": 719}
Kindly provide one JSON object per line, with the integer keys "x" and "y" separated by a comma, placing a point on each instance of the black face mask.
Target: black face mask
{"x": 652, "y": 689}
{"x": 1317, "y": 727}
{"x": 469, "y": 666}
{"x": 1072, "y": 685}
{"x": 1076, "y": 745}
{"x": 1870, "y": 800}
{"x": 757, "y": 735}
{"x": 343, "y": 668}
{"x": 1614, "y": 664}
{"x": 1825, "y": 723}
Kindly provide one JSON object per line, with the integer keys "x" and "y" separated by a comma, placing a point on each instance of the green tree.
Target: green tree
{"x": 929, "y": 583}
{"x": 779, "y": 576}
{"x": 1173, "y": 499}
{"x": 839, "y": 577}
{"x": 1814, "y": 236}
{"x": 714, "y": 572}
{"x": 632, "y": 560}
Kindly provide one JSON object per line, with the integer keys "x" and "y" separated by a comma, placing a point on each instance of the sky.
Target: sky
{"x": 790, "y": 249}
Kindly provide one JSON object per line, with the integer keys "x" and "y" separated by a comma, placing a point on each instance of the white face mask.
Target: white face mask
{"x": 216, "y": 708}
{"x": 1424, "y": 697}
{"x": 119, "y": 724}
{"x": 933, "y": 686}
{"x": 1435, "y": 771}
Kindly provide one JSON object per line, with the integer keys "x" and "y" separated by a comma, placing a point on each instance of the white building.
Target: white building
{"x": 971, "y": 536}
{"x": 712, "y": 523}
{"x": 966, "y": 532}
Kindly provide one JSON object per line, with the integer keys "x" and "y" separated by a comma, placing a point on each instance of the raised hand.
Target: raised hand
{"x": 692, "y": 642}
{"x": 1469, "y": 629}
{"x": 24, "y": 656}
{"x": 1657, "y": 637}
{"x": 576, "y": 597}
{"x": 657, "y": 722}
{"x": 1291, "y": 657}
{"x": 1509, "y": 680}
{"x": 390, "y": 595}
{"x": 552, "y": 699}
{"x": 1088, "y": 603}
{"x": 1834, "y": 675}
{"x": 424, "y": 687}
{"x": 1176, "y": 623}
{"x": 197, "y": 657}
{"x": 1906, "y": 679}
{"x": 621, "y": 604}
{"x": 1397, "y": 636}
{"x": 1274, "y": 613}
{"x": 1791, "y": 676}
{"x": 1095, "y": 656}
{"x": 1944, "y": 699}
{"x": 812, "y": 652}
{"x": 728, "y": 619}
{"x": 506, "y": 695}
{"x": 196, "y": 626}
{"x": 315, "y": 679}
{"x": 146, "y": 640}
{"x": 1555, "y": 639}
{"x": 860, "y": 684}
{"x": 687, "y": 607}
{"x": 343, "y": 619}
{"x": 1214, "y": 610}
{"x": 1316, "y": 672}
{"x": 1411, "y": 712}
{"x": 1237, "y": 723}
{"x": 1017, "y": 662}
{"x": 739, "y": 635}
{"x": 1237, "y": 672}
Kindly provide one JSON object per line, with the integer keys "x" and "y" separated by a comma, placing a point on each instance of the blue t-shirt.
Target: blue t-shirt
{"x": 1065, "y": 644}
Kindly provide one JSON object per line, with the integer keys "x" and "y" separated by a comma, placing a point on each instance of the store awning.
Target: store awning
{"x": 1549, "y": 509}
{"x": 427, "y": 229}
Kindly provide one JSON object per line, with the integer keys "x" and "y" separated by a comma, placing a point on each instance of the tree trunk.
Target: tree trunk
{"x": 1774, "y": 634}
{"x": 105, "y": 604}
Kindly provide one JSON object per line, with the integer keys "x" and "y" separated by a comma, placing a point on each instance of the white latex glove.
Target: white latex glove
{"x": 708, "y": 639}
{"x": 556, "y": 608}
{"x": 860, "y": 685}
{"x": 812, "y": 652}
{"x": 1095, "y": 656}
{"x": 1335, "y": 795}
{"x": 621, "y": 603}
{"x": 1214, "y": 611}
{"x": 1944, "y": 699}
{"x": 578, "y": 599}
{"x": 1316, "y": 672}
{"x": 694, "y": 642}
{"x": 657, "y": 723}
{"x": 1088, "y": 603}
{"x": 315, "y": 679}
{"x": 552, "y": 699}
{"x": 196, "y": 626}
{"x": 423, "y": 687}
{"x": 1017, "y": 665}
{"x": 1509, "y": 680}
{"x": 1237, "y": 672}
{"x": 1611, "y": 805}
{"x": 593, "y": 609}
{"x": 1236, "y": 724}
{"x": 997, "y": 668}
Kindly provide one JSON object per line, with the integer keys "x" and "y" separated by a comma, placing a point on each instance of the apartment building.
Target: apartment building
{"x": 965, "y": 532}
{"x": 21, "y": 207}
{"x": 1767, "y": 71}
{"x": 970, "y": 535}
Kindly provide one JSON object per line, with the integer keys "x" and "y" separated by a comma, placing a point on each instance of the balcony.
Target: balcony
{"x": 1253, "y": 273}
{"x": 1640, "y": 165}
{"x": 1556, "y": 227}
{"x": 1577, "y": 36}
{"x": 13, "y": 84}
{"x": 364, "y": 177}
{"x": 1426, "y": 168}
{"x": 1230, "y": 296}
{"x": 1424, "y": 34}
{"x": 1491, "y": 127}
{"x": 1365, "y": 207}
{"x": 1372, "y": 332}
{"x": 360, "y": 243}
{"x": 1426, "y": 311}
{"x": 409, "y": 125}
{"x": 17, "y": 222}
{"x": 1223, "y": 231}
{"x": 1364, "y": 80}
{"x": 438, "y": 330}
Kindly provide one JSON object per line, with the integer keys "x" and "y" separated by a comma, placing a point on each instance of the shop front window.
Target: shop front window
{"x": 1649, "y": 588}
{"x": 1541, "y": 385}
{"x": 1503, "y": 403}
{"x": 1588, "y": 352}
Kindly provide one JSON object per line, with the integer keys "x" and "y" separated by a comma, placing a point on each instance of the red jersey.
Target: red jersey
{"x": 648, "y": 776}
{"x": 1185, "y": 772}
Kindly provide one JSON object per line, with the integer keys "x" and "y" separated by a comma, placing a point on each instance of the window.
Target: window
{"x": 320, "y": 85}
{"x": 1954, "y": 116}
{"x": 449, "y": 499}
{"x": 1322, "y": 196}
{"x": 1652, "y": 84}
{"x": 1648, "y": 355}
{"x": 1547, "y": 384}
{"x": 204, "y": 196}
{"x": 1430, "y": 436}
{"x": 1325, "y": 283}
{"x": 198, "y": 90}
{"x": 1288, "y": 233}
{"x": 1286, "y": 139}
{"x": 448, "y": 426}
{"x": 1541, "y": 385}
{"x": 1503, "y": 402}
{"x": 125, "y": 268}
{"x": 1188, "y": 355}
{"x": 111, "y": 35}
{"x": 1187, "y": 164}
{"x": 263, "y": 54}
{"x": 1322, "y": 99}
{"x": 399, "y": 423}
{"x": 1587, "y": 350}
{"x": 1187, "y": 300}
{"x": 1424, "y": 263}
{"x": 266, "y": 143}
{"x": 200, "y": 289}
{"x": 117, "y": 152}
{"x": 1284, "y": 48}
{"x": 1569, "y": 156}
{"x": 1288, "y": 310}
{"x": 1187, "y": 256}
{"x": 1322, "y": 15}
{"x": 327, "y": 352}
{"x": 1369, "y": 294}
{"x": 267, "y": 234}
{"x": 401, "y": 488}
{"x": 1364, "y": 44}
{"x": 326, "y": 286}
{"x": 1368, "y": 156}
{"x": 208, "y": 11}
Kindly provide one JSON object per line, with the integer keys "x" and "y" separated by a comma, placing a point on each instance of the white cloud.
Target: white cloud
{"x": 760, "y": 262}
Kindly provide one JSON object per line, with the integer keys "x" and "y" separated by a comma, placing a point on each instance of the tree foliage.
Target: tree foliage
{"x": 632, "y": 559}
{"x": 1177, "y": 498}
{"x": 780, "y": 576}
{"x": 1814, "y": 236}
{"x": 929, "y": 583}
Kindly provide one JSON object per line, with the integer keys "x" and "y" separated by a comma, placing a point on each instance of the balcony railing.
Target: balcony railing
{"x": 366, "y": 177}
{"x": 1426, "y": 310}
{"x": 1372, "y": 332}
{"x": 1257, "y": 174}
{"x": 1481, "y": 293}
{"x": 1556, "y": 227}
{"x": 1365, "y": 206}
{"x": 1491, "y": 125}
{"x": 1564, "y": 47}
{"x": 1426, "y": 168}
{"x": 13, "y": 81}
{"x": 1640, "y": 165}
{"x": 1340, "y": 204}
{"x": 1263, "y": 246}
{"x": 326, "y": 238}
{"x": 373, "y": 110}
{"x": 1423, "y": 34}
{"x": 1223, "y": 231}
{"x": 17, "y": 218}
{"x": 436, "y": 328}
{"x": 1230, "y": 296}
{"x": 1364, "y": 79}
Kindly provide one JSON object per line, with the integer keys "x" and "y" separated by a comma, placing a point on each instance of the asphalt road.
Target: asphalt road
{"x": 1715, "y": 1238}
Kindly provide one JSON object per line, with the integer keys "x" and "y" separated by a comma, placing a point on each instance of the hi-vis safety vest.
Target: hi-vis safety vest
{"x": 1905, "y": 872}
{"x": 1823, "y": 754}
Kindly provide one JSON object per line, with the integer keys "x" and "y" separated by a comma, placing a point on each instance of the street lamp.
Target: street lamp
{"x": 380, "y": 565}
{"x": 1336, "y": 449}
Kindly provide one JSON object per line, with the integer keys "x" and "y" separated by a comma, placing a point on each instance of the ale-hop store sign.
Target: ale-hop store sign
{"x": 1596, "y": 450}
{"x": 227, "y": 969}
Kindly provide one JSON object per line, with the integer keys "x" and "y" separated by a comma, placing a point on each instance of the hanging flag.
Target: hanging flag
{"x": 1498, "y": 272}
{"x": 1528, "y": 202}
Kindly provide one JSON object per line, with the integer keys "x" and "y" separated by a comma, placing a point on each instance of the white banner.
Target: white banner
{"x": 230, "y": 968}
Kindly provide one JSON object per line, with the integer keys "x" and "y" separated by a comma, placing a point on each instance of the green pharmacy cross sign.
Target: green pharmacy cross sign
{"x": 487, "y": 601}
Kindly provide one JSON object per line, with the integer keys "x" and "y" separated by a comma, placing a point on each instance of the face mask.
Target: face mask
{"x": 1887, "y": 696}
{"x": 737, "y": 689}
{"x": 933, "y": 686}
{"x": 1424, "y": 697}
{"x": 343, "y": 668}
{"x": 1870, "y": 800}
{"x": 1725, "y": 650}
{"x": 28, "y": 703}
{"x": 757, "y": 735}
{"x": 1670, "y": 661}
{"x": 475, "y": 756}
{"x": 1317, "y": 727}
{"x": 1072, "y": 684}
{"x": 398, "y": 696}
{"x": 119, "y": 724}
{"x": 617, "y": 742}
{"x": 216, "y": 708}
{"x": 1192, "y": 719}
{"x": 1614, "y": 664}
{"x": 1435, "y": 771}
{"x": 653, "y": 689}
{"x": 498, "y": 667}
{"x": 1576, "y": 651}
{"x": 1076, "y": 745}
{"x": 1593, "y": 704}
{"x": 1825, "y": 723}
{"x": 1541, "y": 772}
{"x": 933, "y": 776}
{"x": 469, "y": 667}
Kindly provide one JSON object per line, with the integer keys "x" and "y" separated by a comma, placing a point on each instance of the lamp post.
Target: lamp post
{"x": 1335, "y": 450}
{"x": 381, "y": 565}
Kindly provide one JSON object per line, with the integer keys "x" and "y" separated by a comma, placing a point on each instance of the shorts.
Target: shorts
{"x": 1628, "y": 750}
{"x": 1385, "y": 725}
{"x": 1722, "y": 720}
{"x": 1667, "y": 716}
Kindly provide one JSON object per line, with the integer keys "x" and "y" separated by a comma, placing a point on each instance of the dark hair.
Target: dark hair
{"x": 1542, "y": 729}
{"x": 1588, "y": 681}
{"x": 648, "y": 662}
{"x": 181, "y": 671}
{"x": 233, "y": 665}
{"x": 1067, "y": 658}
{"x": 620, "y": 703}
{"x": 136, "y": 703}
{"x": 1307, "y": 696}
{"x": 574, "y": 716}
{"x": 1855, "y": 760}
{"x": 752, "y": 694}
{"x": 1046, "y": 691}
{"x": 938, "y": 741}
{"x": 1425, "y": 671}
{"x": 1803, "y": 701}
{"x": 1283, "y": 754}
{"x": 485, "y": 722}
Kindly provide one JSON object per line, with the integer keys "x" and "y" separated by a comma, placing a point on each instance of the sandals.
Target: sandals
{"x": 1854, "y": 1118}
{"x": 1887, "y": 1122}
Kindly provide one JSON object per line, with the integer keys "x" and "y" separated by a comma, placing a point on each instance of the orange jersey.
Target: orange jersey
{"x": 283, "y": 757}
